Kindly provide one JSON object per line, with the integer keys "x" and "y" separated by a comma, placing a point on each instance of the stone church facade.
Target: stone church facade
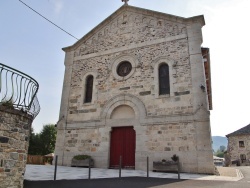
{"x": 136, "y": 86}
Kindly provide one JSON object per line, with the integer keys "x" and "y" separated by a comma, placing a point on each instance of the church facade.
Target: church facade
{"x": 138, "y": 85}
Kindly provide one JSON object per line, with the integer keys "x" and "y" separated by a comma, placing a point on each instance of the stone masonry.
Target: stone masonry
{"x": 235, "y": 150}
{"x": 175, "y": 123}
{"x": 14, "y": 139}
{"x": 239, "y": 145}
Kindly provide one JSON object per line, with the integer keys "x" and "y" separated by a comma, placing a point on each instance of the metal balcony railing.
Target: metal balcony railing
{"x": 18, "y": 90}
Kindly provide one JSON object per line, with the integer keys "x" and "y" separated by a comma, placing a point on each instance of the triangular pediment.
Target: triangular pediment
{"x": 130, "y": 26}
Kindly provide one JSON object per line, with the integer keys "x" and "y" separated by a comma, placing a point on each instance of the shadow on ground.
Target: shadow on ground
{"x": 128, "y": 182}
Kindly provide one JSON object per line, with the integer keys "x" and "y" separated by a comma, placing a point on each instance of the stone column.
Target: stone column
{"x": 14, "y": 141}
{"x": 62, "y": 123}
{"x": 199, "y": 99}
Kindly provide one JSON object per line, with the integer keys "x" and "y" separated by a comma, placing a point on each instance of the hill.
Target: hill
{"x": 219, "y": 141}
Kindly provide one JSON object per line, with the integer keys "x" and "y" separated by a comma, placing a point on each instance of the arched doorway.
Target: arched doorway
{"x": 122, "y": 142}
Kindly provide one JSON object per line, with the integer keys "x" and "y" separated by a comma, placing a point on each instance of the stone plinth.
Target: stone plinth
{"x": 14, "y": 141}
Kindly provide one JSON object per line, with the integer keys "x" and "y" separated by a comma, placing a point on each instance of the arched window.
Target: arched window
{"x": 164, "y": 86}
{"x": 89, "y": 89}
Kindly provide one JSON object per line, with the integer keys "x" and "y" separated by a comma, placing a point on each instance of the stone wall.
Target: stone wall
{"x": 156, "y": 141}
{"x": 234, "y": 148}
{"x": 14, "y": 140}
{"x": 141, "y": 83}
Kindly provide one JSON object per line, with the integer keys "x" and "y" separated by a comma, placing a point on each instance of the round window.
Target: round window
{"x": 124, "y": 68}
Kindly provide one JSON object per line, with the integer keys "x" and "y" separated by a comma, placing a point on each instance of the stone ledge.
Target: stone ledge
{"x": 15, "y": 112}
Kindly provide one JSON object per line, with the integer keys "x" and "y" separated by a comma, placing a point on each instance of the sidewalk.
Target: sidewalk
{"x": 46, "y": 172}
{"x": 230, "y": 172}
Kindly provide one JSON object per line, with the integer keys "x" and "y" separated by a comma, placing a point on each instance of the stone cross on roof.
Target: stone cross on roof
{"x": 125, "y": 1}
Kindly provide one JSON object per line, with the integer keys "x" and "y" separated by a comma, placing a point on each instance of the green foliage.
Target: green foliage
{"x": 222, "y": 148}
{"x": 81, "y": 157}
{"x": 48, "y": 139}
{"x": 43, "y": 143}
{"x": 34, "y": 144}
{"x": 219, "y": 153}
{"x": 175, "y": 158}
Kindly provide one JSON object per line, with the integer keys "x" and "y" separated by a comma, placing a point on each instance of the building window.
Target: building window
{"x": 241, "y": 144}
{"x": 124, "y": 68}
{"x": 164, "y": 86}
{"x": 89, "y": 89}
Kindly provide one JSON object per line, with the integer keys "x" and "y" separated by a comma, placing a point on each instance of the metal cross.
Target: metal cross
{"x": 125, "y": 1}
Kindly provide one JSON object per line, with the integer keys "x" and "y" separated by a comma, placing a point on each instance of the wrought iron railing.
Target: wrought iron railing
{"x": 18, "y": 90}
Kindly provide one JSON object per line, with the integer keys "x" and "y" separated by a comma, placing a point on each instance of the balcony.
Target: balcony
{"x": 18, "y": 90}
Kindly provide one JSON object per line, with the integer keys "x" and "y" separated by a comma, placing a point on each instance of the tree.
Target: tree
{"x": 44, "y": 142}
{"x": 219, "y": 153}
{"x": 34, "y": 143}
{"x": 223, "y": 148}
{"x": 48, "y": 139}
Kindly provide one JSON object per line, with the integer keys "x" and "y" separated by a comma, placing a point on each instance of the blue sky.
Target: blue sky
{"x": 33, "y": 45}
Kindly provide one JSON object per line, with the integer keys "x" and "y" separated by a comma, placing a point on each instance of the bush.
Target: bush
{"x": 175, "y": 158}
{"x": 81, "y": 157}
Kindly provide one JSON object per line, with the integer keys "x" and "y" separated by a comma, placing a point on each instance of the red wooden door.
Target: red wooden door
{"x": 122, "y": 144}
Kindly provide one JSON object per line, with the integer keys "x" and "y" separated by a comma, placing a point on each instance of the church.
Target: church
{"x": 138, "y": 85}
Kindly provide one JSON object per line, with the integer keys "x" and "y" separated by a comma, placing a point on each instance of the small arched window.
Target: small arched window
{"x": 89, "y": 89}
{"x": 164, "y": 86}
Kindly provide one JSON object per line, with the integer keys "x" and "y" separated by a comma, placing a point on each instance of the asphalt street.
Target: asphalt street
{"x": 134, "y": 182}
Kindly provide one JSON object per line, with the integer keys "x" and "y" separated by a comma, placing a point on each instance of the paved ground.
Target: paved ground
{"x": 43, "y": 172}
{"x": 230, "y": 172}
{"x": 107, "y": 178}
{"x": 246, "y": 173}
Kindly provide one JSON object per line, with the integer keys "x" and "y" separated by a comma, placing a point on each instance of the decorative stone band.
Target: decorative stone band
{"x": 147, "y": 121}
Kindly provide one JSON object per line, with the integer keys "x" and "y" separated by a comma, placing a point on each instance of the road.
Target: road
{"x": 246, "y": 173}
{"x": 142, "y": 182}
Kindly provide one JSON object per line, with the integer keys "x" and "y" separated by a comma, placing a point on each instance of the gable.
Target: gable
{"x": 130, "y": 26}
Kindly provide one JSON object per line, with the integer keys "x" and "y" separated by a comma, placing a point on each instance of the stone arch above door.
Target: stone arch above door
{"x": 124, "y": 99}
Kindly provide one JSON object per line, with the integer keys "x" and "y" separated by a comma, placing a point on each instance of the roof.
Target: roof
{"x": 243, "y": 131}
{"x": 125, "y": 8}
{"x": 206, "y": 58}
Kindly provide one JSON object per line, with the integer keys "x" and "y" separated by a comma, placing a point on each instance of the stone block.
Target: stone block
{"x": 9, "y": 163}
{"x": 14, "y": 155}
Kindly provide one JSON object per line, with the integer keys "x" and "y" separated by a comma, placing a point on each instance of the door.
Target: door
{"x": 122, "y": 144}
